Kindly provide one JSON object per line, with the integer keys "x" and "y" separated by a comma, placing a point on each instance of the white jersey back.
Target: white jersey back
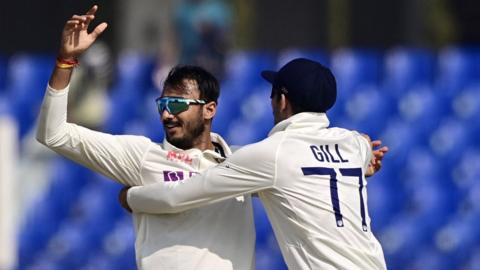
{"x": 318, "y": 206}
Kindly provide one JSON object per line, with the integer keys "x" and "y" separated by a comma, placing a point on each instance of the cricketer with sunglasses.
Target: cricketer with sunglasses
{"x": 218, "y": 236}
{"x": 310, "y": 177}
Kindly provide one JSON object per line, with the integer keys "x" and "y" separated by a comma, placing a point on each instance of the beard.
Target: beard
{"x": 191, "y": 132}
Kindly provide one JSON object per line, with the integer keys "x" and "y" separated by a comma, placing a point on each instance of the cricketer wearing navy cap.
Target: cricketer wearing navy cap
{"x": 309, "y": 85}
{"x": 310, "y": 178}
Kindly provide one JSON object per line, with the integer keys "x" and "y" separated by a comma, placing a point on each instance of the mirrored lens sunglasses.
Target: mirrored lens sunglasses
{"x": 176, "y": 105}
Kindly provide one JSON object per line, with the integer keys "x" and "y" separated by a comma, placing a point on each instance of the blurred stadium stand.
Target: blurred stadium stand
{"x": 423, "y": 104}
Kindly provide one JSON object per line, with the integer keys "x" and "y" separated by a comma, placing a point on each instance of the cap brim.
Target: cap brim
{"x": 269, "y": 75}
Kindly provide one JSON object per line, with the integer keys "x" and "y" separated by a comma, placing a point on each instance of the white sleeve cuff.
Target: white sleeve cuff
{"x": 58, "y": 92}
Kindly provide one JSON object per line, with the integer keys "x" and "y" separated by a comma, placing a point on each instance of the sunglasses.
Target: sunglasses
{"x": 176, "y": 105}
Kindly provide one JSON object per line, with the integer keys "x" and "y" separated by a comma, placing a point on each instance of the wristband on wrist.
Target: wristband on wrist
{"x": 66, "y": 63}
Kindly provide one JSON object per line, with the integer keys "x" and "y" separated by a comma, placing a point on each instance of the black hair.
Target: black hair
{"x": 207, "y": 83}
{"x": 277, "y": 91}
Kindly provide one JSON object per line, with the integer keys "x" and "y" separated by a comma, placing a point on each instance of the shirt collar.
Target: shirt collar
{"x": 217, "y": 139}
{"x": 299, "y": 121}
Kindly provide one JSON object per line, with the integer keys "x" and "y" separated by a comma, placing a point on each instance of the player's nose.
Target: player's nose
{"x": 166, "y": 115}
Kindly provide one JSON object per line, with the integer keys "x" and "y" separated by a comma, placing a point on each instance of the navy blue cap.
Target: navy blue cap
{"x": 310, "y": 85}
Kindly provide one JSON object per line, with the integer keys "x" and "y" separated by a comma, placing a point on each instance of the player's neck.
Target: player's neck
{"x": 204, "y": 141}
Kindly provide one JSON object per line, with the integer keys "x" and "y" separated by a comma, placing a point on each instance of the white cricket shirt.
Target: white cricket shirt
{"x": 310, "y": 179}
{"x": 217, "y": 236}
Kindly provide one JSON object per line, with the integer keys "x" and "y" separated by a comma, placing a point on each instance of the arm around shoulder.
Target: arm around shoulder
{"x": 249, "y": 170}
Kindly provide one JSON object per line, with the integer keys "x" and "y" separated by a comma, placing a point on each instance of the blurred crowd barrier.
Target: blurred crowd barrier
{"x": 423, "y": 104}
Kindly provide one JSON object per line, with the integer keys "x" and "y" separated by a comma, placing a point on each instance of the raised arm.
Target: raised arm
{"x": 117, "y": 157}
{"x": 75, "y": 40}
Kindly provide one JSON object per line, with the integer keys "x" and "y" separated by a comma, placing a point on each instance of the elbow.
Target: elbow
{"x": 52, "y": 138}
{"x": 42, "y": 134}
{"x": 41, "y": 137}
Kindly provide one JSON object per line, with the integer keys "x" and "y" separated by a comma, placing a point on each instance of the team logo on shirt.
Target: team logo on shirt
{"x": 179, "y": 157}
{"x": 173, "y": 176}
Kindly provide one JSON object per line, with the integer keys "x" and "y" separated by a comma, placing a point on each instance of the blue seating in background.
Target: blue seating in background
{"x": 134, "y": 73}
{"x": 423, "y": 109}
{"x": 423, "y": 104}
{"x": 423, "y": 166}
{"x": 44, "y": 220}
{"x": 431, "y": 259}
{"x": 290, "y": 54}
{"x": 400, "y": 138}
{"x": 101, "y": 261}
{"x": 450, "y": 140}
{"x": 457, "y": 67}
{"x": 355, "y": 69}
{"x": 403, "y": 239}
{"x": 466, "y": 172}
{"x": 134, "y": 82}
{"x": 227, "y": 109}
{"x": 365, "y": 104}
{"x": 466, "y": 106}
{"x": 383, "y": 202}
{"x": 119, "y": 243}
{"x": 473, "y": 262}
{"x": 243, "y": 72}
{"x": 458, "y": 237}
{"x": 407, "y": 68}
{"x": 97, "y": 209}
{"x": 40, "y": 225}
{"x": 27, "y": 77}
{"x": 70, "y": 247}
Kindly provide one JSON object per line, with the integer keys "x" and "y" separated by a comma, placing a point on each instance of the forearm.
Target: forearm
{"x": 163, "y": 199}
{"x": 60, "y": 78}
{"x": 216, "y": 184}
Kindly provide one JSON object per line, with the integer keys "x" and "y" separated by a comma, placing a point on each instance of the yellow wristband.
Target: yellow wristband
{"x": 63, "y": 65}
{"x": 66, "y": 63}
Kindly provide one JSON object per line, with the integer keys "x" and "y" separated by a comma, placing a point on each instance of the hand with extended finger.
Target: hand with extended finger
{"x": 75, "y": 36}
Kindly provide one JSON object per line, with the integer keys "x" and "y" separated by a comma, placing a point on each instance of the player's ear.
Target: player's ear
{"x": 284, "y": 103}
{"x": 209, "y": 110}
{"x": 286, "y": 106}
